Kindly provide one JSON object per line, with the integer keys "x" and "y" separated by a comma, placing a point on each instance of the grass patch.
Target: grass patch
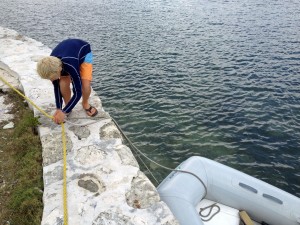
{"x": 21, "y": 176}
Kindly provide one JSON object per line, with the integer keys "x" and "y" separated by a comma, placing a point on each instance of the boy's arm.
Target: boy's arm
{"x": 77, "y": 87}
{"x": 58, "y": 116}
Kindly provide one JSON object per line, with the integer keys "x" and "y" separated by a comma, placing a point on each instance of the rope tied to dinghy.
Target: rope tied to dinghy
{"x": 164, "y": 167}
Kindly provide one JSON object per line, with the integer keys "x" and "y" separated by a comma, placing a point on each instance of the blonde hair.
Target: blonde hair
{"x": 47, "y": 66}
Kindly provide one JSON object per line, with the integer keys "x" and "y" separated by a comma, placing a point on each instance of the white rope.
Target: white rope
{"x": 167, "y": 168}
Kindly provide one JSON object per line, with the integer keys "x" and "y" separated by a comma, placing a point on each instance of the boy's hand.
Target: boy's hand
{"x": 59, "y": 116}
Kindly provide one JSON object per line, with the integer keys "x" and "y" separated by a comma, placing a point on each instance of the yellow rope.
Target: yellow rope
{"x": 31, "y": 102}
{"x": 64, "y": 149}
{"x": 64, "y": 174}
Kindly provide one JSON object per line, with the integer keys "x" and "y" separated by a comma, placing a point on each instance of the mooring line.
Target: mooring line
{"x": 162, "y": 166}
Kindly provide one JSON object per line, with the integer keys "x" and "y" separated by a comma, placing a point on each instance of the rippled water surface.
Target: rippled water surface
{"x": 216, "y": 78}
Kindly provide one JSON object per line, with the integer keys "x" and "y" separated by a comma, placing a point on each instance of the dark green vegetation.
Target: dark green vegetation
{"x": 21, "y": 182}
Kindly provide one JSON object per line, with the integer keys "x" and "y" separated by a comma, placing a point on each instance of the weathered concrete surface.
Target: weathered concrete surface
{"x": 12, "y": 78}
{"x": 104, "y": 182}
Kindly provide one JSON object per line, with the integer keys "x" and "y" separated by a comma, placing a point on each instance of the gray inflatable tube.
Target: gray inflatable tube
{"x": 263, "y": 202}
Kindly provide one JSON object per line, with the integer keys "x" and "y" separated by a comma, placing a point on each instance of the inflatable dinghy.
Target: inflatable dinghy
{"x": 215, "y": 194}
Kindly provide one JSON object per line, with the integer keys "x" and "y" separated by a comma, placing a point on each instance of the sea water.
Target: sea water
{"x": 215, "y": 78}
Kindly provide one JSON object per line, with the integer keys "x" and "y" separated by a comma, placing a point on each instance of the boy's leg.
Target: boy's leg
{"x": 86, "y": 92}
{"x": 64, "y": 84}
{"x": 86, "y": 74}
